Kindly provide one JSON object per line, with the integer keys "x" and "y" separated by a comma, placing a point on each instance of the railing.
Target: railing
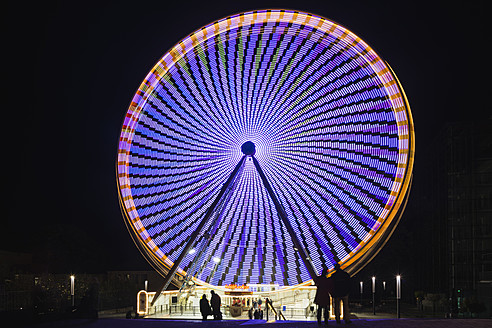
{"x": 180, "y": 310}
{"x": 298, "y": 313}
{"x": 194, "y": 311}
{"x": 278, "y": 314}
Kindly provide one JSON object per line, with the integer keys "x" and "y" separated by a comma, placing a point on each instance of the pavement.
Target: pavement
{"x": 369, "y": 323}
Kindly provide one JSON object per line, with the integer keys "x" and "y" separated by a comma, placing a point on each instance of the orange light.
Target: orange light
{"x": 234, "y": 286}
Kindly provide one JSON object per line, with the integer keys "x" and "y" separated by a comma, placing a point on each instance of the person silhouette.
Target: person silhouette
{"x": 322, "y": 298}
{"x": 215, "y": 303}
{"x": 205, "y": 307}
{"x": 340, "y": 292}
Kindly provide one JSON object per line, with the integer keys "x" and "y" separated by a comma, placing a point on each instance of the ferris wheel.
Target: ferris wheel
{"x": 263, "y": 147}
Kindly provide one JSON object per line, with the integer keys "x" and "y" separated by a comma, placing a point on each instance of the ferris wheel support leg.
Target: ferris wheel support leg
{"x": 283, "y": 216}
{"x": 194, "y": 235}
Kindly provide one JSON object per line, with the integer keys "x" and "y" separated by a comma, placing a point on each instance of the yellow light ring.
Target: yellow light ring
{"x": 313, "y": 29}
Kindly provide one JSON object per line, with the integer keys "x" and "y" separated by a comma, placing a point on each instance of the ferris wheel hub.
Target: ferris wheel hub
{"x": 248, "y": 148}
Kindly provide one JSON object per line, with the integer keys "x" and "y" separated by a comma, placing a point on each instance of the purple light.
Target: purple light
{"x": 332, "y": 131}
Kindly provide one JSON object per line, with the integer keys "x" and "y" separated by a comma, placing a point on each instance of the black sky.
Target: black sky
{"x": 71, "y": 69}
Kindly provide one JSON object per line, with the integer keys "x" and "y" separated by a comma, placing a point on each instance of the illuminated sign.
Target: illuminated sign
{"x": 142, "y": 299}
{"x": 234, "y": 286}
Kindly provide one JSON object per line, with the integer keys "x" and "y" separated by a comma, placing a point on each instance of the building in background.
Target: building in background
{"x": 456, "y": 205}
{"x": 36, "y": 294}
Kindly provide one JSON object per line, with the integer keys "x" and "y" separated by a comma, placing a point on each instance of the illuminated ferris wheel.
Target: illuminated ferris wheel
{"x": 262, "y": 147}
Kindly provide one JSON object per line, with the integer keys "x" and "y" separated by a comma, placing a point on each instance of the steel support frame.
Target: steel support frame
{"x": 283, "y": 216}
{"x": 281, "y": 213}
{"x": 194, "y": 235}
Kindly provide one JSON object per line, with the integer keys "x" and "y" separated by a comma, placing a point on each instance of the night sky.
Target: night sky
{"x": 72, "y": 69}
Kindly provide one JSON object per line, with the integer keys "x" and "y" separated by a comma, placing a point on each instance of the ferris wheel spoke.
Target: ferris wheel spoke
{"x": 332, "y": 164}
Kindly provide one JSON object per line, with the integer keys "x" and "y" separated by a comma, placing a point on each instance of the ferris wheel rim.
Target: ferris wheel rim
{"x": 162, "y": 260}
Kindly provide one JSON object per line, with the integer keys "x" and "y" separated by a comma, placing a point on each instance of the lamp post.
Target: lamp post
{"x": 384, "y": 290}
{"x": 373, "y": 295}
{"x": 72, "y": 290}
{"x": 361, "y": 292}
{"x": 398, "y": 295}
{"x": 146, "y": 285}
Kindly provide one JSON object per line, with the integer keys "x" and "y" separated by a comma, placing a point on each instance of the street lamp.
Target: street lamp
{"x": 384, "y": 290}
{"x": 72, "y": 289}
{"x": 373, "y": 295}
{"x": 398, "y": 295}
{"x": 361, "y": 292}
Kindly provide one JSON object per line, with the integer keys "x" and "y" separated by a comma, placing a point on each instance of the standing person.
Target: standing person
{"x": 215, "y": 302}
{"x": 205, "y": 307}
{"x": 322, "y": 298}
{"x": 340, "y": 292}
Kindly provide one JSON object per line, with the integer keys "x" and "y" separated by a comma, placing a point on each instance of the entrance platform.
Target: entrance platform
{"x": 292, "y": 303}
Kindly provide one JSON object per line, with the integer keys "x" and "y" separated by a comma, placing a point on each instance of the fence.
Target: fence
{"x": 15, "y": 300}
{"x": 194, "y": 311}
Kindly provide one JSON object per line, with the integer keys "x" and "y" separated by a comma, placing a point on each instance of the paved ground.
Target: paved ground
{"x": 369, "y": 323}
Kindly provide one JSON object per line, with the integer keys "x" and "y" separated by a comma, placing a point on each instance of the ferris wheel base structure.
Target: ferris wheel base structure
{"x": 262, "y": 148}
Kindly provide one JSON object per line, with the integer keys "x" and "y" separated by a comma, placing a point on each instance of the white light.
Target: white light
{"x": 72, "y": 285}
{"x": 361, "y": 287}
{"x": 398, "y": 287}
{"x": 216, "y": 259}
{"x": 373, "y": 284}
{"x": 192, "y": 251}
